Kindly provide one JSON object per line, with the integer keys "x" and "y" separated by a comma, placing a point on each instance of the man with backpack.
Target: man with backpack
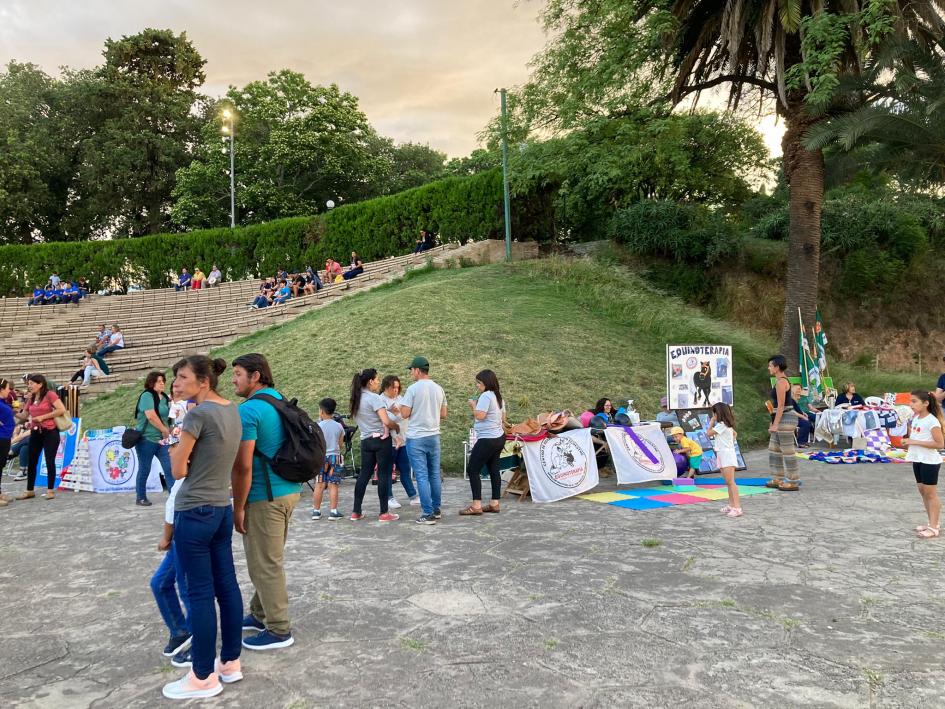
{"x": 263, "y": 502}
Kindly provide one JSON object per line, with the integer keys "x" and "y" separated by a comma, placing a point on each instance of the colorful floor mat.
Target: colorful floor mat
{"x": 651, "y": 498}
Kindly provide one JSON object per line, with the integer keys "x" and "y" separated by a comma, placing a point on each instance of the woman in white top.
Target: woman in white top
{"x": 390, "y": 394}
{"x": 487, "y": 410}
{"x": 924, "y": 442}
{"x": 722, "y": 431}
{"x": 369, "y": 412}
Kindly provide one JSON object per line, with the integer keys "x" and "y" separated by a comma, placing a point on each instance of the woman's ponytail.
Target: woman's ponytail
{"x": 358, "y": 382}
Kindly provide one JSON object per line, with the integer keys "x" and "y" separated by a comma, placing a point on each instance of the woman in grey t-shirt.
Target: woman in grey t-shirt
{"x": 203, "y": 527}
{"x": 487, "y": 410}
{"x": 369, "y": 412}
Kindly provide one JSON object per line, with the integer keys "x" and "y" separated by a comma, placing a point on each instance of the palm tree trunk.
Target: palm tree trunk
{"x": 804, "y": 171}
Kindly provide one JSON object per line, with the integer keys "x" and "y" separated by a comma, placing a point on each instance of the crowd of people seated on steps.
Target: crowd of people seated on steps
{"x": 58, "y": 291}
{"x": 275, "y": 290}
{"x": 198, "y": 280}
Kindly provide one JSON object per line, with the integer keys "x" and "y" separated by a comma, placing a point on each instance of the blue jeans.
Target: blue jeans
{"x": 402, "y": 462}
{"x": 108, "y": 348}
{"x": 22, "y": 449}
{"x": 146, "y": 451}
{"x": 424, "y": 456}
{"x": 804, "y": 431}
{"x": 164, "y": 585}
{"x": 203, "y": 540}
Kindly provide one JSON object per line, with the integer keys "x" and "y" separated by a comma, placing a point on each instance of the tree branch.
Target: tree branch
{"x": 725, "y": 78}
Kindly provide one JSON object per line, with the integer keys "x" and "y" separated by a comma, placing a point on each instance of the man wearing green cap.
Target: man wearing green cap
{"x": 424, "y": 404}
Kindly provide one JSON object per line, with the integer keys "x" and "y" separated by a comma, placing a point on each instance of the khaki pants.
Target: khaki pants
{"x": 267, "y": 527}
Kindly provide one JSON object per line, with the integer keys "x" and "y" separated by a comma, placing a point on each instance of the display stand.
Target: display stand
{"x": 518, "y": 485}
{"x": 78, "y": 476}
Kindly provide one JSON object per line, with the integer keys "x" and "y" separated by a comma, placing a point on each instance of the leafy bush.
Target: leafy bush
{"x": 774, "y": 226}
{"x": 457, "y": 208}
{"x": 683, "y": 232}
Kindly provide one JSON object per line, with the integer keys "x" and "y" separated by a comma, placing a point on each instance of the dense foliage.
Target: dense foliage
{"x": 456, "y": 209}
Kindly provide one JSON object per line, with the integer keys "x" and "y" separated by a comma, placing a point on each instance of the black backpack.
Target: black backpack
{"x": 302, "y": 454}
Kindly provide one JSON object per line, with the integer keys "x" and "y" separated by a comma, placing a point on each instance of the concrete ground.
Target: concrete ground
{"x": 819, "y": 598}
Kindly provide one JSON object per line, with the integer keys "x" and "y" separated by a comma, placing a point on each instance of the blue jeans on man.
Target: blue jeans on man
{"x": 424, "y": 454}
{"x": 402, "y": 463}
{"x": 108, "y": 349}
{"x": 203, "y": 540}
{"x": 165, "y": 583}
{"x": 146, "y": 451}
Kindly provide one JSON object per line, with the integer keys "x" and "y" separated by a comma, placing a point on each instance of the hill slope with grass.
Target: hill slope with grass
{"x": 560, "y": 333}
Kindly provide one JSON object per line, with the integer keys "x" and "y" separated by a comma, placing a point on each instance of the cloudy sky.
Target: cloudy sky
{"x": 424, "y": 70}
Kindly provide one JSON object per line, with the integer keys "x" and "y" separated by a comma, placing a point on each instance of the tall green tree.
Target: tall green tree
{"x": 896, "y": 118}
{"x": 610, "y": 54}
{"x": 144, "y": 125}
{"x": 297, "y": 146}
{"x": 412, "y": 165}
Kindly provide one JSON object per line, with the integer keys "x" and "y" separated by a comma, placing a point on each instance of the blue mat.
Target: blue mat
{"x": 640, "y": 503}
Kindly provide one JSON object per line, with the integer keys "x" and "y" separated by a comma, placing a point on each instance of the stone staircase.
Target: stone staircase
{"x": 161, "y": 325}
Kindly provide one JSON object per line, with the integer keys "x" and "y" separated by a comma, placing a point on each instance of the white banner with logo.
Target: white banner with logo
{"x": 561, "y": 466}
{"x": 114, "y": 468}
{"x": 640, "y": 454}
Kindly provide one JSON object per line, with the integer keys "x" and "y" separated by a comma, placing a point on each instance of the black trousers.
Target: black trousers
{"x": 4, "y": 452}
{"x": 43, "y": 442}
{"x": 485, "y": 452}
{"x": 379, "y": 452}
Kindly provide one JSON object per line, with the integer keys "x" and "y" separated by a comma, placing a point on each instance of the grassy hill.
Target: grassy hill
{"x": 560, "y": 333}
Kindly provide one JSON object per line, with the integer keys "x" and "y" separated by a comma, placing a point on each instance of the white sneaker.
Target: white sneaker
{"x": 229, "y": 671}
{"x": 415, "y": 501}
{"x": 393, "y": 504}
{"x": 189, "y": 687}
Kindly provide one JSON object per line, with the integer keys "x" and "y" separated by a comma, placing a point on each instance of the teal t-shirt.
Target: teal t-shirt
{"x": 149, "y": 431}
{"x": 261, "y": 423}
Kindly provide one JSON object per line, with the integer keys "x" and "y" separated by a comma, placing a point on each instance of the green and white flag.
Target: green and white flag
{"x": 820, "y": 342}
{"x": 810, "y": 369}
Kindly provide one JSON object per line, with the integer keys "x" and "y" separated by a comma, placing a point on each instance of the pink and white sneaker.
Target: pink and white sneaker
{"x": 189, "y": 687}
{"x": 229, "y": 672}
{"x": 725, "y": 510}
{"x": 734, "y": 512}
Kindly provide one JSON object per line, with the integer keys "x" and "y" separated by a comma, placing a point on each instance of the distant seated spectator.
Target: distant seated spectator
{"x": 38, "y": 297}
{"x": 92, "y": 366}
{"x": 283, "y": 294}
{"x": 604, "y": 408}
{"x": 849, "y": 396}
{"x": 425, "y": 242}
{"x": 198, "y": 279}
{"x": 313, "y": 283}
{"x": 52, "y": 296}
{"x": 183, "y": 280}
{"x": 333, "y": 269}
{"x": 83, "y": 286}
{"x": 356, "y": 268}
{"x": 665, "y": 415}
{"x": 54, "y": 281}
{"x": 215, "y": 276}
{"x": 282, "y": 275}
{"x": 116, "y": 341}
{"x": 71, "y": 294}
{"x": 297, "y": 284}
{"x": 264, "y": 299}
{"x": 101, "y": 339}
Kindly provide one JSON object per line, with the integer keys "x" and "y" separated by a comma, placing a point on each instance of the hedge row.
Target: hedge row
{"x": 457, "y": 209}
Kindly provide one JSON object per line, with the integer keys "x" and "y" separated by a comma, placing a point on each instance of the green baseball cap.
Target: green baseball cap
{"x": 419, "y": 363}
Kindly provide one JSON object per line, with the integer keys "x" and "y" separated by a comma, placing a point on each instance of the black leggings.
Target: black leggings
{"x": 485, "y": 452}
{"x": 4, "y": 452}
{"x": 43, "y": 441}
{"x": 380, "y": 452}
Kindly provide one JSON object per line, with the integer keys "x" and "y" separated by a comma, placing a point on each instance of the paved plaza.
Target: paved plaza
{"x": 822, "y": 598}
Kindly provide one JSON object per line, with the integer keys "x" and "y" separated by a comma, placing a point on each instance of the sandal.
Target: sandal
{"x": 789, "y": 487}
{"x": 928, "y": 533}
{"x": 28, "y": 495}
{"x": 491, "y": 508}
{"x": 921, "y": 527}
{"x": 773, "y": 484}
{"x": 470, "y": 511}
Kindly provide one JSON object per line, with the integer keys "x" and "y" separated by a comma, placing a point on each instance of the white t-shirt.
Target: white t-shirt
{"x": 921, "y": 430}
{"x": 333, "y": 432}
{"x": 169, "y": 503}
{"x": 425, "y": 399}
{"x": 491, "y": 425}
{"x": 367, "y": 418}
{"x": 724, "y": 437}
{"x": 117, "y": 339}
{"x": 400, "y": 436}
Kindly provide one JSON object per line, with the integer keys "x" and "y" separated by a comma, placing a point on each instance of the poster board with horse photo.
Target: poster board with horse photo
{"x": 698, "y": 376}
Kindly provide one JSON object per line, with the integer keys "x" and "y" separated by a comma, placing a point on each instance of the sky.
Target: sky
{"x": 424, "y": 70}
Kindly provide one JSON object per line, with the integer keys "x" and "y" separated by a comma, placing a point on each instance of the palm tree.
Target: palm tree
{"x": 758, "y": 45}
{"x": 896, "y": 116}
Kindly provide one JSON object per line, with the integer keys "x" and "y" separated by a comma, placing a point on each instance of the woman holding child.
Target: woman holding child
{"x": 369, "y": 412}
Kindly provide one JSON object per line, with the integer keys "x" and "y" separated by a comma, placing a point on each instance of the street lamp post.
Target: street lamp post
{"x": 230, "y": 130}
{"x": 505, "y": 176}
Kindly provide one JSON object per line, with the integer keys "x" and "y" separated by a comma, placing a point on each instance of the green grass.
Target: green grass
{"x": 559, "y": 333}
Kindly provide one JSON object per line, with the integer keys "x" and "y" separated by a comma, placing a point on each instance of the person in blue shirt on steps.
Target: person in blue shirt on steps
{"x": 262, "y": 505}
